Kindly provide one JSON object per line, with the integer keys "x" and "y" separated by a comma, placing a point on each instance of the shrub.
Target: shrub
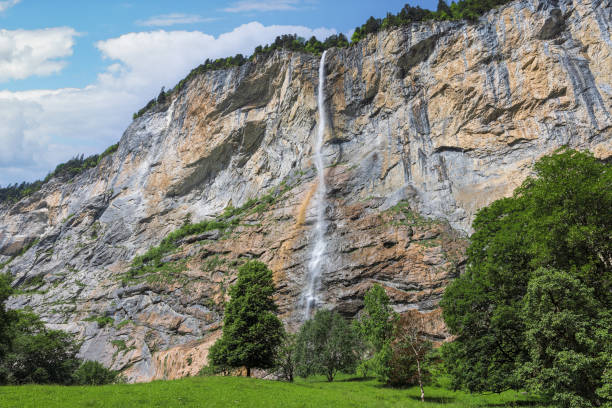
{"x": 39, "y": 355}
{"x": 408, "y": 351}
{"x": 94, "y": 373}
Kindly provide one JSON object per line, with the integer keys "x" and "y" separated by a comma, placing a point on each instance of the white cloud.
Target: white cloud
{"x": 45, "y": 127}
{"x": 165, "y": 20}
{"x": 5, "y": 5}
{"x": 16, "y": 118}
{"x": 24, "y": 53}
{"x": 272, "y": 5}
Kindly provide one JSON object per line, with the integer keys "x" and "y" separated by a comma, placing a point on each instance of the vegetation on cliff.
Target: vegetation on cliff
{"x": 533, "y": 308}
{"x": 64, "y": 171}
{"x": 462, "y": 10}
{"x": 152, "y": 261}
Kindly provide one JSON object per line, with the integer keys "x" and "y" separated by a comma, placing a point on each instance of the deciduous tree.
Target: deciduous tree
{"x": 552, "y": 237}
{"x": 326, "y": 345}
{"x": 251, "y": 330}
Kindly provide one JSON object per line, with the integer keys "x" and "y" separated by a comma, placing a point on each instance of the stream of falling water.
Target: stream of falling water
{"x": 317, "y": 255}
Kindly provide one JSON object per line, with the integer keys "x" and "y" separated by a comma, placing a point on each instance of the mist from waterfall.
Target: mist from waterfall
{"x": 317, "y": 255}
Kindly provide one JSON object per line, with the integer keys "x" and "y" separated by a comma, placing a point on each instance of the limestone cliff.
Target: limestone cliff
{"x": 428, "y": 123}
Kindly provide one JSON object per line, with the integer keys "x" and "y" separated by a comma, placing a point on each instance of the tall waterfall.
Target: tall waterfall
{"x": 317, "y": 255}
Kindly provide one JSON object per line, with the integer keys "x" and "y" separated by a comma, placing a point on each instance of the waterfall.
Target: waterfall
{"x": 317, "y": 255}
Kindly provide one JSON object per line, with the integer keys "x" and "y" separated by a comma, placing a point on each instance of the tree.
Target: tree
{"x": 554, "y": 232}
{"x": 37, "y": 354}
{"x": 161, "y": 98}
{"x": 285, "y": 357}
{"x": 6, "y": 316}
{"x": 251, "y": 330}
{"x": 375, "y": 325}
{"x": 564, "y": 333}
{"x": 443, "y": 8}
{"x": 326, "y": 345}
{"x": 94, "y": 373}
{"x": 409, "y": 349}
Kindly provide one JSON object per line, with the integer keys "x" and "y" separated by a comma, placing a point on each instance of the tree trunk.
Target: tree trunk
{"x": 420, "y": 381}
{"x": 249, "y": 371}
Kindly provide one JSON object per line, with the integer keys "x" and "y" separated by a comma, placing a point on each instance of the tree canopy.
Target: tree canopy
{"x": 32, "y": 353}
{"x": 326, "y": 345}
{"x": 376, "y": 327}
{"x": 251, "y": 330}
{"x": 533, "y": 304}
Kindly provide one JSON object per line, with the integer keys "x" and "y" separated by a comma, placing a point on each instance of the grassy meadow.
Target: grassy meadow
{"x": 249, "y": 392}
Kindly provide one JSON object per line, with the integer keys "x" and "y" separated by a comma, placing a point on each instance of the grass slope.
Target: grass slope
{"x": 248, "y": 392}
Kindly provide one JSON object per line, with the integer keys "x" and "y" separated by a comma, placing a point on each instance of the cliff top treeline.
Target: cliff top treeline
{"x": 68, "y": 170}
{"x": 468, "y": 10}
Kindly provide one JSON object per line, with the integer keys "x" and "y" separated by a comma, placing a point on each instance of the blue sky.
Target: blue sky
{"x": 73, "y": 72}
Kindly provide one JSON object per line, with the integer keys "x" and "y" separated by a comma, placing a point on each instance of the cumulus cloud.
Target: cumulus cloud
{"x": 24, "y": 53}
{"x": 165, "y": 20}
{"x": 274, "y": 5}
{"x": 161, "y": 57}
{"x": 5, "y": 5}
{"x": 46, "y": 127}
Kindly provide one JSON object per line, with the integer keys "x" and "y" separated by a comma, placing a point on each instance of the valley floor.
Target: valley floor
{"x": 246, "y": 392}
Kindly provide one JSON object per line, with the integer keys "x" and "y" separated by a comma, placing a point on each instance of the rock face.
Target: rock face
{"x": 428, "y": 123}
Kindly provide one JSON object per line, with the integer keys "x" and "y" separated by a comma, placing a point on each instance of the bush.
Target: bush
{"x": 31, "y": 353}
{"x": 408, "y": 352}
{"x": 94, "y": 373}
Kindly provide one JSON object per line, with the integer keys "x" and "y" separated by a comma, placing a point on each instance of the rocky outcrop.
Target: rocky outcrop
{"x": 428, "y": 123}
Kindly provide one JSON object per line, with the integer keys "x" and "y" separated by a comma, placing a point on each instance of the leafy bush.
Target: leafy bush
{"x": 31, "y": 353}
{"x": 94, "y": 373}
{"x": 408, "y": 352}
{"x": 101, "y": 320}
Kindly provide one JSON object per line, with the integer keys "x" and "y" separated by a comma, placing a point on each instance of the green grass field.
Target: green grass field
{"x": 248, "y": 392}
